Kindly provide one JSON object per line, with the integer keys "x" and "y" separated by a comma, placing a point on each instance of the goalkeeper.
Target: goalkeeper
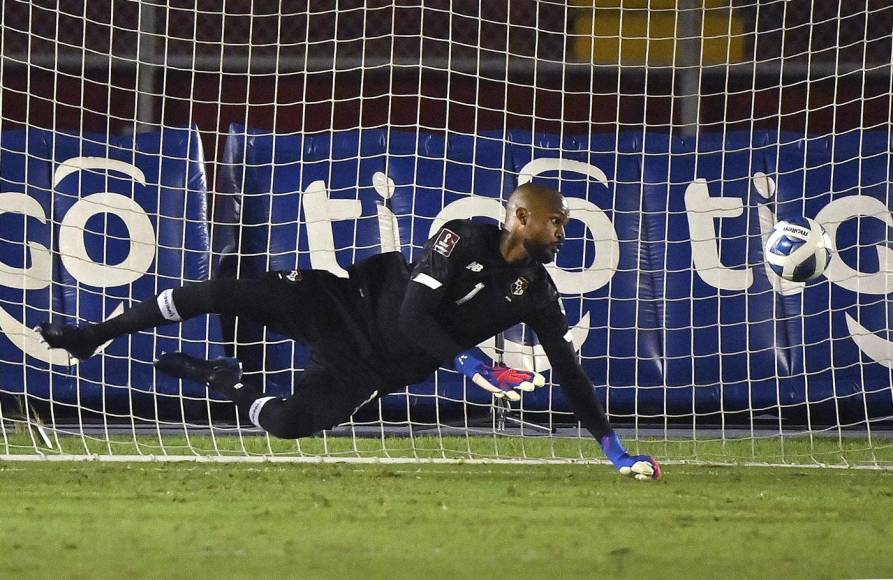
{"x": 389, "y": 324}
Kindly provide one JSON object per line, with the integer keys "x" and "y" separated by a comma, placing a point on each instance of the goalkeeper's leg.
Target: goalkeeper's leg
{"x": 319, "y": 403}
{"x": 321, "y": 400}
{"x": 259, "y": 299}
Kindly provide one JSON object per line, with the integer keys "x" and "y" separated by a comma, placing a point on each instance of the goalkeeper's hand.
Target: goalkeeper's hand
{"x": 502, "y": 381}
{"x": 641, "y": 467}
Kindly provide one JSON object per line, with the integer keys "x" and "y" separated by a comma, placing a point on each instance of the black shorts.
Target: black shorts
{"x": 313, "y": 307}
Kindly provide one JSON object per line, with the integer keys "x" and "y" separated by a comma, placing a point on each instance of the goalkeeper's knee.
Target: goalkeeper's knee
{"x": 285, "y": 418}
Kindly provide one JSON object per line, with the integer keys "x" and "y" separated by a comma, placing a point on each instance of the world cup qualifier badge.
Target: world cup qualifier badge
{"x": 445, "y": 242}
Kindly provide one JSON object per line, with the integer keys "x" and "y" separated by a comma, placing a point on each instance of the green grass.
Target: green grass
{"x": 187, "y": 520}
{"x": 801, "y": 450}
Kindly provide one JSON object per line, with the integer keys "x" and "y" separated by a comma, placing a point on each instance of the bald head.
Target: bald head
{"x": 534, "y": 222}
{"x": 533, "y": 197}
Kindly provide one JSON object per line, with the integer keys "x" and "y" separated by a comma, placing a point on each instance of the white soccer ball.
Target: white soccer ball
{"x": 798, "y": 249}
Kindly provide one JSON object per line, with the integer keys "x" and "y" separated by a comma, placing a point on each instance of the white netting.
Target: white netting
{"x": 148, "y": 144}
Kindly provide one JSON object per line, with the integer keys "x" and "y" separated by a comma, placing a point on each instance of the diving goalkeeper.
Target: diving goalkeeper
{"x": 389, "y": 324}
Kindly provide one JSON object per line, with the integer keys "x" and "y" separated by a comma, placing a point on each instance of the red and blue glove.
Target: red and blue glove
{"x": 641, "y": 467}
{"x": 502, "y": 381}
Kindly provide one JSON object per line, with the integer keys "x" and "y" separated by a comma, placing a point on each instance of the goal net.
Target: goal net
{"x": 144, "y": 145}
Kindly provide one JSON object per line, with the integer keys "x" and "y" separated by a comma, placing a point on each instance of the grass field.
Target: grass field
{"x": 262, "y": 520}
{"x": 819, "y": 449}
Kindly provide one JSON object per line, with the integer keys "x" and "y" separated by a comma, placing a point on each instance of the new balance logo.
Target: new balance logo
{"x": 474, "y": 267}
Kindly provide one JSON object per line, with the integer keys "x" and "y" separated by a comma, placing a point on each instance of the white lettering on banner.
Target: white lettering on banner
{"x": 468, "y": 207}
{"x": 40, "y": 273}
{"x": 37, "y": 277}
{"x": 839, "y": 272}
{"x": 320, "y": 212}
{"x": 607, "y": 244}
{"x": 383, "y": 185}
{"x": 536, "y": 167}
{"x": 593, "y": 277}
{"x": 607, "y": 251}
{"x": 765, "y": 187}
{"x": 763, "y": 184}
{"x": 73, "y": 249}
{"x": 839, "y": 211}
{"x": 873, "y": 346}
{"x": 75, "y": 164}
{"x": 701, "y": 210}
{"x": 388, "y": 228}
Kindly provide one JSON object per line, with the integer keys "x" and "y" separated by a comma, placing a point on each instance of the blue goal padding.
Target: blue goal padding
{"x": 670, "y": 330}
{"x": 665, "y": 330}
{"x": 92, "y": 223}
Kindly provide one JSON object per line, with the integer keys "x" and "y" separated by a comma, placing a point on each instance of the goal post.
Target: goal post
{"x": 148, "y": 145}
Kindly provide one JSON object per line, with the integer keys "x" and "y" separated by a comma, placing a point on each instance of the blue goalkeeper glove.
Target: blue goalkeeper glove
{"x": 641, "y": 467}
{"x": 502, "y": 381}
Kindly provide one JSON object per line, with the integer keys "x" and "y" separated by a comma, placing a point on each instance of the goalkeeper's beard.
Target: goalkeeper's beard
{"x": 542, "y": 253}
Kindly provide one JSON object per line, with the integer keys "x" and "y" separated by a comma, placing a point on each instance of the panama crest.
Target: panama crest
{"x": 520, "y": 285}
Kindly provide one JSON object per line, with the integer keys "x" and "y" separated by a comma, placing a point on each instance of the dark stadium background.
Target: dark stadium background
{"x": 450, "y": 68}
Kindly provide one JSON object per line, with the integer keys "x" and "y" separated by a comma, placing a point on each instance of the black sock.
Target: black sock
{"x": 171, "y": 306}
{"x": 248, "y": 399}
{"x": 231, "y": 385}
{"x": 242, "y": 394}
{"x": 143, "y": 316}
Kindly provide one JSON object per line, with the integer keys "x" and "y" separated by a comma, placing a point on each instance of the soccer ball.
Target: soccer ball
{"x": 798, "y": 249}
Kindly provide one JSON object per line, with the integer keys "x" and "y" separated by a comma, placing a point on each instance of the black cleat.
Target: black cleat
{"x": 77, "y": 340}
{"x": 226, "y": 371}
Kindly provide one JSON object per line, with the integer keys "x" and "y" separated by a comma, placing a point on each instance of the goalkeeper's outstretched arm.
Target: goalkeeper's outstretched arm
{"x": 580, "y": 393}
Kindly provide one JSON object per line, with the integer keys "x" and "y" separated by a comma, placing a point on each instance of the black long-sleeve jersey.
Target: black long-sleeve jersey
{"x": 459, "y": 292}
